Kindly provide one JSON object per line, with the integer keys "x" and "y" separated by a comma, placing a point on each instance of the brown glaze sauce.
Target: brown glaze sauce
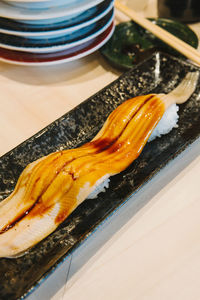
{"x": 39, "y": 208}
{"x": 16, "y": 220}
{"x": 62, "y": 216}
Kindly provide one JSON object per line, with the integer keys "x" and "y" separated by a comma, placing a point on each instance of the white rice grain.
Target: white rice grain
{"x": 100, "y": 186}
{"x": 168, "y": 121}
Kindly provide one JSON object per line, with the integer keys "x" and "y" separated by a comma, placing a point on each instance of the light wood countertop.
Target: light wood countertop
{"x": 153, "y": 254}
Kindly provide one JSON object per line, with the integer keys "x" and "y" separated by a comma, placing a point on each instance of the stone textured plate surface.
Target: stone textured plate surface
{"x": 160, "y": 73}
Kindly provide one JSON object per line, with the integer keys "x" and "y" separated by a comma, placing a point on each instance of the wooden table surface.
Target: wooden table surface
{"x": 153, "y": 254}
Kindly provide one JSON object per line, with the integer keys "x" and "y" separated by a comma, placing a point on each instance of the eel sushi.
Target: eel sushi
{"x": 50, "y": 188}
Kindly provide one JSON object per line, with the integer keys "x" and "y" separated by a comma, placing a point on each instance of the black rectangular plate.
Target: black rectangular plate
{"x": 159, "y": 73}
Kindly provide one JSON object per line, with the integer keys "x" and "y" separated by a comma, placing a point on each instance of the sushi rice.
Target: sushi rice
{"x": 167, "y": 123}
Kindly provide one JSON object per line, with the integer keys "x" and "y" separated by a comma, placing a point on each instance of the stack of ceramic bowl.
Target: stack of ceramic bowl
{"x": 43, "y": 32}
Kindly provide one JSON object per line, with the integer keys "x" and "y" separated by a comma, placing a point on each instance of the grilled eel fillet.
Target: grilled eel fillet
{"x": 50, "y": 188}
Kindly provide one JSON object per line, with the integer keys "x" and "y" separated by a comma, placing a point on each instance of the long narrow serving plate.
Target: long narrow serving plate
{"x": 159, "y": 73}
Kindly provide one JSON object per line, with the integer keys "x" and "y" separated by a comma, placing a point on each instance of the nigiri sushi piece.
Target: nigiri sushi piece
{"x": 49, "y": 189}
{"x": 178, "y": 96}
{"x": 38, "y": 175}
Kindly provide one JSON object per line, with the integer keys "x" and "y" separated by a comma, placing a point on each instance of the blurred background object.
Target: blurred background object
{"x": 47, "y": 33}
{"x": 187, "y": 11}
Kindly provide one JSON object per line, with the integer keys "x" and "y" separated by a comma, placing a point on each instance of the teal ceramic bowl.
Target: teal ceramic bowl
{"x": 131, "y": 44}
